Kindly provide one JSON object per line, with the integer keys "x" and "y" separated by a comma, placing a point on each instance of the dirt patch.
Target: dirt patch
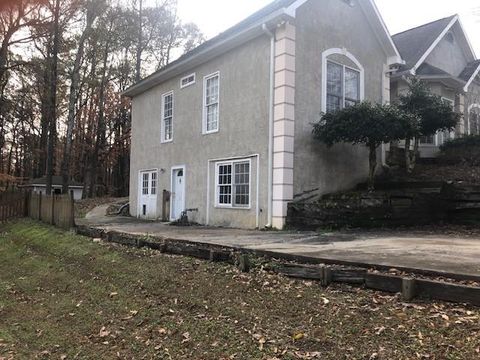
{"x": 66, "y": 296}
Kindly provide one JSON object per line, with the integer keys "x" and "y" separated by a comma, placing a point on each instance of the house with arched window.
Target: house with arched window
{"x": 226, "y": 129}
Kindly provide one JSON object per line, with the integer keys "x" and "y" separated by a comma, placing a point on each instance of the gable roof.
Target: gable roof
{"x": 56, "y": 180}
{"x": 250, "y": 28}
{"x": 470, "y": 73}
{"x": 469, "y": 70}
{"x": 255, "y": 19}
{"x": 414, "y": 43}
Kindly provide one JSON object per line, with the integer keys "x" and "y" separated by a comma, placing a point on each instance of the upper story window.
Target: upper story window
{"x": 211, "y": 99}
{"x": 343, "y": 86}
{"x": 167, "y": 117}
{"x": 187, "y": 81}
{"x": 343, "y": 80}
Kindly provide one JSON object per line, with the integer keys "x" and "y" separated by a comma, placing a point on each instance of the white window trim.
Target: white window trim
{"x": 232, "y": 163}
{"x": 349, "y": 55}
{"x": 204, "y": 106}
{"x": 162, "y": 132}
{"x": 140, "y": 187}
{"x": 190, "y": 83}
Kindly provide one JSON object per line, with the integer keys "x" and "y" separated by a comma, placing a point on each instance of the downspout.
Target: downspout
{"x": 270, "y": 125}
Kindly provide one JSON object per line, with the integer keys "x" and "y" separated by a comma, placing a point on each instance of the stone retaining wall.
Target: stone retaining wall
{"x": 396, "y": 205}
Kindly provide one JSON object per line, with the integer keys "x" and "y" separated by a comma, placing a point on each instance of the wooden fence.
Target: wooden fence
{"x": 13, "y": 205}
{"x": 57, "y": 210}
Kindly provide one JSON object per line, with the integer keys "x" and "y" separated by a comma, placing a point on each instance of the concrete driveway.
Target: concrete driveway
{"x": 456, "y": 253}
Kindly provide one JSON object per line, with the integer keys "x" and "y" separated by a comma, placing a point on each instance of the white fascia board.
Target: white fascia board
{"x": 435, "y": 43}
{"x": 472, "y": 78}
{"x": 467, "y": 39}
{"x": 292, "y": 9}
{"x": 397, "y": 57}
{"x": 206, "y": 54}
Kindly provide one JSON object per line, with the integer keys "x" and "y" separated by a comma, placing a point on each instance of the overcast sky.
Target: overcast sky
{"x": 215, "y": 16}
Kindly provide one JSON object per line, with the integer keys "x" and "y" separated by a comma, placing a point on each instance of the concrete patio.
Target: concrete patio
{"x": 424, "y": 250}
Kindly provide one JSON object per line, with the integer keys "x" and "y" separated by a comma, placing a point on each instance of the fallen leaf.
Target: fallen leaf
{"x": 298, "y": 336}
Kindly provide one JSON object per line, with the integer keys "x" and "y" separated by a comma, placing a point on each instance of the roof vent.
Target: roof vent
{"x": 450, "y": 37}
{"x": 350, "y": 3}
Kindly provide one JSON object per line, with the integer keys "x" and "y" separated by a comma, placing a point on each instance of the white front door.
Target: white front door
{"x": 178, "y": 193}
{"x": 147, "y": 204}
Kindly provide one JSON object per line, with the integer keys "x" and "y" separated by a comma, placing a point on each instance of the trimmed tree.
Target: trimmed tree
{"x": 368, "y": 124}
{"x": 432, "y": 112}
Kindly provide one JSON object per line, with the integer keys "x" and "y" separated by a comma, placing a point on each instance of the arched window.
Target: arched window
{"x": 343, "y": 80}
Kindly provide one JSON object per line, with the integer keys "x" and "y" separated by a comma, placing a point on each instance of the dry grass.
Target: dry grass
{"x": 63, "y": 296}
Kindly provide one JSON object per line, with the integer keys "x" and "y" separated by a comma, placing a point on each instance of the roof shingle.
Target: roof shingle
{"x": 413, "y": 43}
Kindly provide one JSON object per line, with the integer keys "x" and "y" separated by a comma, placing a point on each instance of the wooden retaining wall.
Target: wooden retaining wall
{"x": 410, "y": 288}
{"x": 56, "y": 210}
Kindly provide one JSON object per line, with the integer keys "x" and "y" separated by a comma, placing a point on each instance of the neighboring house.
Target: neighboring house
{"x": 441, "y": 54}
{"x": 39, "y": 186}
{"x": 227, "y": 128}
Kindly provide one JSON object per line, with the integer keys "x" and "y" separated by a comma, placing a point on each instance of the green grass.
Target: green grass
{"x": 59, "y": 290}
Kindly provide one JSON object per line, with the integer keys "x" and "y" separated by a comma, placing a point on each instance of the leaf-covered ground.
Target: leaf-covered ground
{"x": 64, "y": 296}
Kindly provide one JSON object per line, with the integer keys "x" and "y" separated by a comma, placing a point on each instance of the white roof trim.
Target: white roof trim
{"x": 292, "y": 9}
{"x": 472, "y": 78}
{"x": 385, "y": 29}
{"x": 205, "y": 54}
{"x": 54, "y": 185}
{"x": 466, "y": 38}
{"x": 396, "y": 59}
{"x": 435, "y": 43}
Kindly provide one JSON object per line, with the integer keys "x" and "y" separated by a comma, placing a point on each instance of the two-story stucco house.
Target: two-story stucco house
{"x": 227, "y": 127}
{"x": 440, "y": 54}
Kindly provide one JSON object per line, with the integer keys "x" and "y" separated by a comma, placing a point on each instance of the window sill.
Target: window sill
{"x": 227, "y": 207}
{"x": 210, "y": 132}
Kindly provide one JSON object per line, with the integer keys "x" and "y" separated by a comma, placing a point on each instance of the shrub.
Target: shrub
{"x": 463, "y": 150}
{"x": 365, "y": 123}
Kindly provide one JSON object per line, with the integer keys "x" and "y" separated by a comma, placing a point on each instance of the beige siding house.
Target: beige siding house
{"x": 227, "y": 128}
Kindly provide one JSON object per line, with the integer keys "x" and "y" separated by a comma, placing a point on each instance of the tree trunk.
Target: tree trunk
{"x": 372, "y": 166}
{"x": 407, "y": 154}
{"x": 138, "y": 64}
{"x": 52, "y": 133}
{"x": 413, "y": 162}
{"x": 101, "y": 122}
{"x": 72, "y": 100}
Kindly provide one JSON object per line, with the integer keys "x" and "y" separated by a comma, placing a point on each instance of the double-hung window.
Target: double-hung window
{"x": 211, "y": 100}
{"x": 167, "y": 117}
{"x": 343, "y": 86}
{"x": 233, "y": 184}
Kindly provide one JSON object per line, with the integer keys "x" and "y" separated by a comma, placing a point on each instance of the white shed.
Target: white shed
{"x": 39, "y": 186}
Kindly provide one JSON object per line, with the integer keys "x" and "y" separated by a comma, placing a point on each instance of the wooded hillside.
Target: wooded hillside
{"x": 63, "y": 66}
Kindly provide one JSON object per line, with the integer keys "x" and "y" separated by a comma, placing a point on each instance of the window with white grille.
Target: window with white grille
{"x": 343, "y": 86}
{"x": 211, "y": 99}
{"x": 187, "y": 81}
{"x": 233, "y": 184}
{"x": 167, "y": 117}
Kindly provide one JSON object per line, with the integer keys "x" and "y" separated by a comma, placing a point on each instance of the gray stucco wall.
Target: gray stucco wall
{"x": 472, "y": 98}
{"x": 243, "y": 131}
{"x": 322, "y": 25}
{"x": 448, "y": 56}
